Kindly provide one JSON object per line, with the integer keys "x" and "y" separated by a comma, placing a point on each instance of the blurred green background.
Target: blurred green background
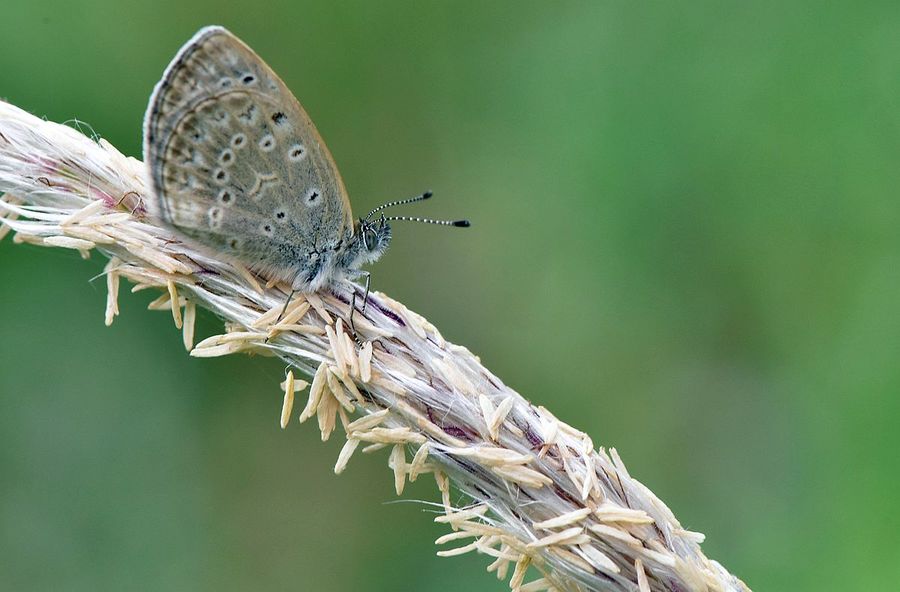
{"x": 685, "y": 243}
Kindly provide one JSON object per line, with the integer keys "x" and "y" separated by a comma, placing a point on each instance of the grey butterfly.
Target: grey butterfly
{"x": 236, "y": 165}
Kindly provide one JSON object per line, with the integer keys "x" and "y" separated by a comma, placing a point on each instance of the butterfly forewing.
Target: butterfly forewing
{"x": 236, "y": 163}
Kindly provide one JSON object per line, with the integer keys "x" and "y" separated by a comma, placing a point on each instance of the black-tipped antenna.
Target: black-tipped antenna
{"x": 399, "y": 202}
{"x": 457, "y": 223}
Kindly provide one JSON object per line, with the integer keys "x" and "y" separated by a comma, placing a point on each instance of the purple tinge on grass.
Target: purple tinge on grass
{"x": 549, "y": 509}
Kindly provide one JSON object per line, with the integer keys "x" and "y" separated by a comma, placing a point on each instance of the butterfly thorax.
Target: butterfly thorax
{"x": 324, "y": 267}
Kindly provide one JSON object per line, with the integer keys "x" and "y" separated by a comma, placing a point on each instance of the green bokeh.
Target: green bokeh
{"x": 685, "y": 243}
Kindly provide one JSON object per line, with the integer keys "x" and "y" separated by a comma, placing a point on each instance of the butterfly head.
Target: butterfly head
{"x": 373, "y": 237}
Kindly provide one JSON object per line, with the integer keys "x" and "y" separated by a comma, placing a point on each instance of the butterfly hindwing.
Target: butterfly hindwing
{"x": 235, "y": 162}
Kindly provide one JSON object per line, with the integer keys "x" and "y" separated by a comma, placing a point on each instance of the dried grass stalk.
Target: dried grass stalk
{"x": 543, "y": 497}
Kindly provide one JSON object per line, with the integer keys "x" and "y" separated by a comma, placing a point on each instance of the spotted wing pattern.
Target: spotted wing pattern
{"x": 236, "y": 164}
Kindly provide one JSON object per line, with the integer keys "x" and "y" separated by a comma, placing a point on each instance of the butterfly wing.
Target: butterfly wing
{"x": 236, "y": 164}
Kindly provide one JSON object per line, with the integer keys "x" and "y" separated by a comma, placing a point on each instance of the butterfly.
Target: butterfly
{"x": 236, "y": 165}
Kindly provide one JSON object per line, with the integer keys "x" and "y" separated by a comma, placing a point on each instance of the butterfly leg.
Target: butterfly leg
{"x": 283, "y": 309}
{"x": 366, "y": 298}
{"x": 353, "y": 307}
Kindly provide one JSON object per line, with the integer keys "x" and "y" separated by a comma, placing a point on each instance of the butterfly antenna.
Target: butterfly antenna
{"x": 457, "y": 223}
{"x": 399, "y": 202}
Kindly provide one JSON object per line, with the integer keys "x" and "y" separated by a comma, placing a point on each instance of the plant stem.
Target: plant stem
{"x": 541, "y": 494}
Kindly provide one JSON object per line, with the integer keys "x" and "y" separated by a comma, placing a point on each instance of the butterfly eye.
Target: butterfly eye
{"x": 370, "y": 239}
